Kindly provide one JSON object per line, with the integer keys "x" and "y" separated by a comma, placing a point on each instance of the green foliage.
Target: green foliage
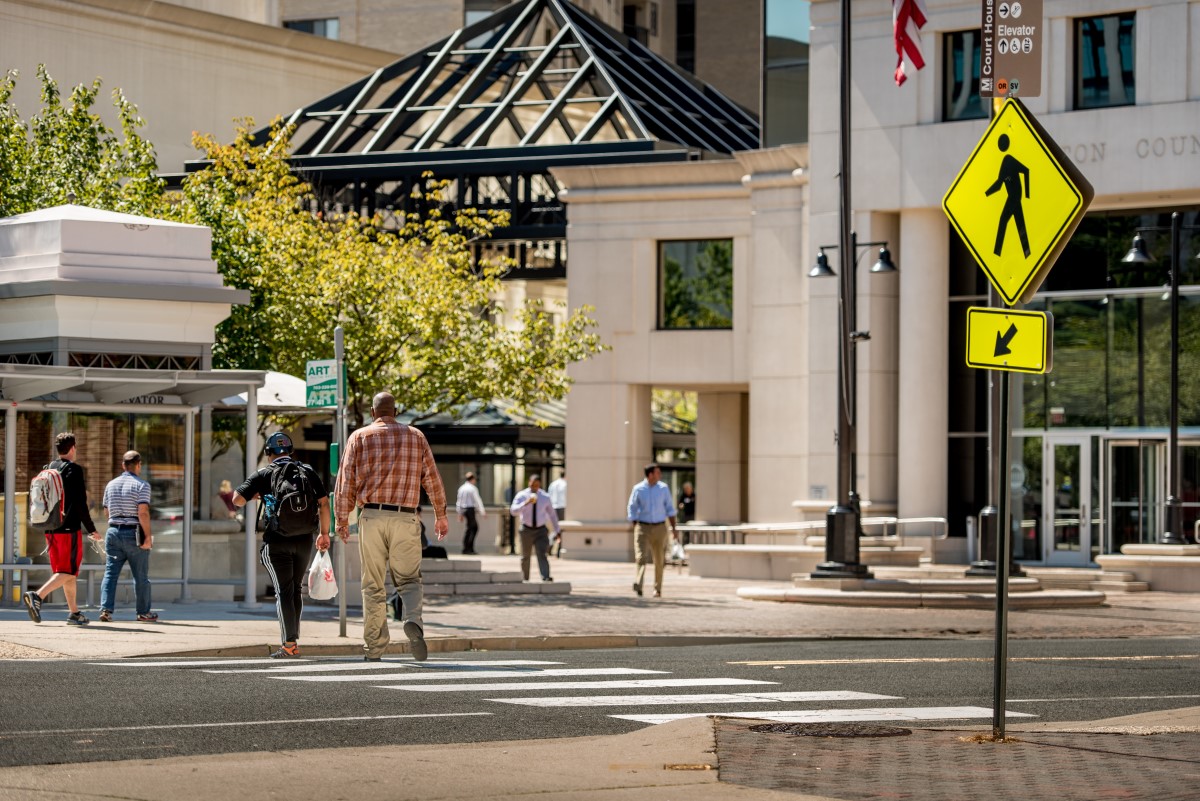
{"x": 68, "y": 149}
{"x": 419, "y": 319}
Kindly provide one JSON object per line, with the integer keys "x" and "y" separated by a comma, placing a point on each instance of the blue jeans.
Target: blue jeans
{"x": 122, "y": 547}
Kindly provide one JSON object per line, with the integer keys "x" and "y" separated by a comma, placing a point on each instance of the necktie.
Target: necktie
{"x": 535, "y": 505}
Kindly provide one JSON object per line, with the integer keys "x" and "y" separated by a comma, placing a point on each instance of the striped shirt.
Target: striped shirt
{"x": 387, "y": 462}
{"x": 122, "y": 497}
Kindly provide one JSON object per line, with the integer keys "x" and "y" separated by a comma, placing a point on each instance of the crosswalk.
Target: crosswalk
{"x": 542, "y": 683}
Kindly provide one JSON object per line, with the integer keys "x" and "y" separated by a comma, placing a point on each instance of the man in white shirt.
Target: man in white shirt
{"x": 532, "y": 506}
{"x": 558, "y": 499}
{"x": 469, "y": 504}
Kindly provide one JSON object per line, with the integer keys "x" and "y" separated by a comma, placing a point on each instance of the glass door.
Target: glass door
{"x": 1067, "y": 501}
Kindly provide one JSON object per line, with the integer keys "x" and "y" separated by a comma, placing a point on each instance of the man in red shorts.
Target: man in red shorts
{"x": 66, "y": 542}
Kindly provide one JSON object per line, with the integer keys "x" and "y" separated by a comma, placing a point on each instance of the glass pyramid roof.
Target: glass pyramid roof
{"x": 537, "y": 73}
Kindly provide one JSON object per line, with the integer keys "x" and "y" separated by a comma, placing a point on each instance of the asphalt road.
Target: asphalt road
{"x": 78, "y": 711}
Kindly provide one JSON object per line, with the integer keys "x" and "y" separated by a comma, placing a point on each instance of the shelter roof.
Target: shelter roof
{"x": 536, "y": 74}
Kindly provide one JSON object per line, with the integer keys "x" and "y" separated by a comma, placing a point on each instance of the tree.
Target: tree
{"x": 420, "y": 319}
{"x": 69, "y": 150}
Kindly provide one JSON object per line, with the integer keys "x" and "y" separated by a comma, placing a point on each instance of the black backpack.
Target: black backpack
{"x": 293, "y": 510}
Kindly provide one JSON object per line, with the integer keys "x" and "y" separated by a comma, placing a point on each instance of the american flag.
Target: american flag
{"x": 908, "y": 17}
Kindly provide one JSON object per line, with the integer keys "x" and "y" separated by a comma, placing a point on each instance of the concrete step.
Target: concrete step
{"x": 450, "y": 566}
{"x": 1120, "y": 586}
{"x": 515, "y": 588}
{"x": 918, "y": 586}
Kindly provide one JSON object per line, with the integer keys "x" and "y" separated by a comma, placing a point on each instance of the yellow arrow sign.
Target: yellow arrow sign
{"x": 1020, "y": 341}
{"x": 1016, "y": 202}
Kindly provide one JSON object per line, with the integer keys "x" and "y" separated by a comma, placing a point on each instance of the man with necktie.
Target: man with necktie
{"x": 536, "y": 511}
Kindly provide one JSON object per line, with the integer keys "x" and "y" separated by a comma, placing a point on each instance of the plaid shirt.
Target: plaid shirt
{"x": 387, "y": 462}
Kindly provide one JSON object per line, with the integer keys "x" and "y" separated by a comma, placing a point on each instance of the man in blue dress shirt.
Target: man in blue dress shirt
{"x": 650, "y": 507}
{"x": 536, "y": 511}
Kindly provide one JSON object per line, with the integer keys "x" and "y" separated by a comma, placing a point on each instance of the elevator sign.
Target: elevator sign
{"x": 1016, "y": 202}
{"x": 1010, "y": 50}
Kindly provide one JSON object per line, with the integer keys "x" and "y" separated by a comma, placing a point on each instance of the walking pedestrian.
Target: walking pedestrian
{"x": 468, "y": 504}
{"x": 687, "y": 507}
{"x": 558, "y": 497}
{"x": 295, "y": 506}
{"x": 650, "y": 507}
{"x": 128, "y": 539}
{"x": 535, "y": 510}
{"x": 65, "y": 543}
{"x": 385, "y": 466}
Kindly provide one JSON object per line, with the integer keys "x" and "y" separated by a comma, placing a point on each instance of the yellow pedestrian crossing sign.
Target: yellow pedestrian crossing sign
{"x": 1016, "y": 202}
{"x": 1004, "y": 339}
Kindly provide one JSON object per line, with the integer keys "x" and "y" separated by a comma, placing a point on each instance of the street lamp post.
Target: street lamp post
{"x": 1172, "y": 531}
{"x": 843, "y": 522}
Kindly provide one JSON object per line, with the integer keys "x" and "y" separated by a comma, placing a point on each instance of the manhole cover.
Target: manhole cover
{"x": 831, "y": 729}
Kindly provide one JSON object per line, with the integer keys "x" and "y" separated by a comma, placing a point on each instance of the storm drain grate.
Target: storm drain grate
{"x": 831, "y": 729}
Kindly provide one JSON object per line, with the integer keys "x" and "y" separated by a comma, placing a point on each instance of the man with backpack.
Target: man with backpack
{"x": 59, "y": 508}
{"x": 294, "y": 506}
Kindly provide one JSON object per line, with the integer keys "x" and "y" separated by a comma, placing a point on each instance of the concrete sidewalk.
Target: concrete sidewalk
{"x": 1152, "y": 756}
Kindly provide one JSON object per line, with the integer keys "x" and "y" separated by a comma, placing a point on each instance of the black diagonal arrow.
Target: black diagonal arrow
{"x": 1003, "y": 340}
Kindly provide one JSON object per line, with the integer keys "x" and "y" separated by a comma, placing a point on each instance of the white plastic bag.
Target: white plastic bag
{"x": 676, "y": 552}
{"x": 322, "y": 586}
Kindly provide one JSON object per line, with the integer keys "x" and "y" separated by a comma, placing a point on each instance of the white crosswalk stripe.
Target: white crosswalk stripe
{"x": 706, "y": 698}
{"x": 334, "y": 667}
{"x": 840, "y": 715}
{"x": 460, "y": 676}
{"x": 438, "y": 675}
{"x": 571, "y": 685}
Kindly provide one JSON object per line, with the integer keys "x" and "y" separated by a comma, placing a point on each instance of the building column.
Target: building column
{"x": 924, "y": 370}
{"x": 721, "y": 457}
{"x": 608, "y": 442}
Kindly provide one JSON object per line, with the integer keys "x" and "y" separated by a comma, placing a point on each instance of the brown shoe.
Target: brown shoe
{"x": 105, "y": 616}
{"x": 658, "y": 593}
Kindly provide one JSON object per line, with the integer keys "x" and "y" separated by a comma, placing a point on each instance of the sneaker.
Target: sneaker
{"x": 149, "y": 617}
{"x": 658, "y": 593}
{"x": 105, "y": 616}
{"x": 638, "y": 589}
{"x": 547, "y": 578}
{"x": 77, "y": 619}
{"x": 286, "y": 652}
{"x": 416, "y": 639}
{"x": 33, "y": 603}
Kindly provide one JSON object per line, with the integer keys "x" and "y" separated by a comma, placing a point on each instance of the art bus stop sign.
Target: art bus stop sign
{"x": 1016, "y": 202}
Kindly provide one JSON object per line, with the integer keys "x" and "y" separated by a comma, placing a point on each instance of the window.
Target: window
{"x": 695, "y": 284}
{"x": 960, "y": 92}
{"x": 1104, "y": 66}
{"x": 786, "y": 70}
{"x": 327, "y": 28}
{"x": 685, "y": 34}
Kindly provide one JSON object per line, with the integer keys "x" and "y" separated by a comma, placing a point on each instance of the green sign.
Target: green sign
{"x": 321, "y": 378}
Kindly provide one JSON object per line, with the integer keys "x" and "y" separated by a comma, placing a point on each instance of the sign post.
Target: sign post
{"x": 1015, "y": 203}
{"x": 339, "y": 353}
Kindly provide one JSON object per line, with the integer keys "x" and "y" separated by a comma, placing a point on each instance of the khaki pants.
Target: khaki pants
{"x": 535, "y": 540}
{"x": 650, "y": 542}
{"x": 388, "y": 542}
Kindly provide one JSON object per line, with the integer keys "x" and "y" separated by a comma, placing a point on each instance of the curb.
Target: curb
{"x": 549, "y": 643}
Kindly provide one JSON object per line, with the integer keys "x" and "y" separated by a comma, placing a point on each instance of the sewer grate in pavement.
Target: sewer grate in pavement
{"x": 831, "y": 729}
{"x": 950, "y": 765}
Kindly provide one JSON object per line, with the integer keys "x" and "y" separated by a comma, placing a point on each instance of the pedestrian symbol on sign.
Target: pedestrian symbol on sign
{"x": 1011, "y": 171}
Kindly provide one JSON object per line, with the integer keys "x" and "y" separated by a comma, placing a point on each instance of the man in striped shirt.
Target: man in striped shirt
{"x": 383, "y": 470}
{"x": 127, "y": 502}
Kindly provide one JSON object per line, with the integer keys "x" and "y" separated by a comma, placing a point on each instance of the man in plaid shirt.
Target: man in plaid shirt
{"x": 385, "y": 465}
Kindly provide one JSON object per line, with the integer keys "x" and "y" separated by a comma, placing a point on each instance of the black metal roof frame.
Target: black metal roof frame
{"x": 536, "y": 73}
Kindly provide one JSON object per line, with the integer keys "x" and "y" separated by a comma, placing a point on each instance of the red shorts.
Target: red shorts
{"x": 66, "y": 551}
